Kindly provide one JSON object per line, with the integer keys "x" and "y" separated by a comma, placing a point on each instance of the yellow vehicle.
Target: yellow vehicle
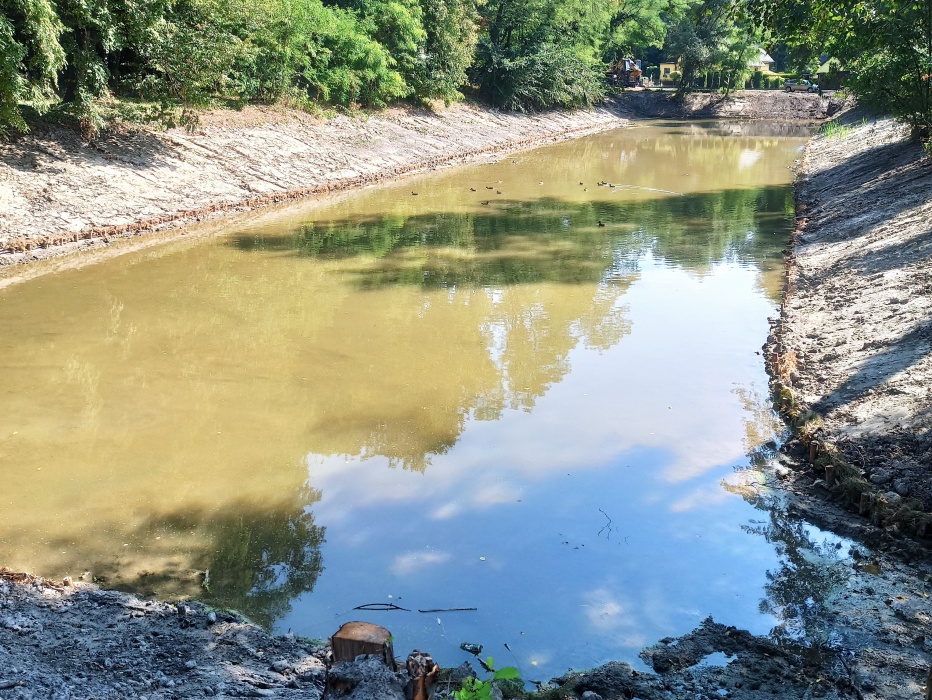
{"x": 627, "y": 73}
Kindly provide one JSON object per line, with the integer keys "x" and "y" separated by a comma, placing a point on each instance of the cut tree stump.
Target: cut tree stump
{"x": 355, "y": 638}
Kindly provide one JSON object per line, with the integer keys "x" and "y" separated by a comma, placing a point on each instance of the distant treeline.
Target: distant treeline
{"x": 516, "y": 54}
{"x": 512, "y": 54}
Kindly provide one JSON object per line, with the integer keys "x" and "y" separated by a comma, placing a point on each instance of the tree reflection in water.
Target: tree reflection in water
{"x": 249, "y": 557}
{"x": 812, "y": 569}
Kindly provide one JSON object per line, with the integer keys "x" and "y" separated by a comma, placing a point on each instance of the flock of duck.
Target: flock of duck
{"x": 486, "y": 202}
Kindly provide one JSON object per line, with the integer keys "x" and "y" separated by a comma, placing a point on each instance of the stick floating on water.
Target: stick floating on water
{"x": 649, "y": 189}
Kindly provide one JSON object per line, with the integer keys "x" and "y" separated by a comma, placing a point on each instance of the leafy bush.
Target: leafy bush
{"x": 451, "y": 32}
{"x": 12, "y": 83}
{"x": 30, "y": 58}
{"x": 550, "y": 76}
{"x": 475, "y": 689}
{"x": 266, "y": 50}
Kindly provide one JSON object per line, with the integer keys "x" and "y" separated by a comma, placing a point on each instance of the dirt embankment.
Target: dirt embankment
{"x": 853, "y": 348}
{"x": 744, "y": 104}
{"x": 59, "y": 194}
{"x": 851, "y": 362}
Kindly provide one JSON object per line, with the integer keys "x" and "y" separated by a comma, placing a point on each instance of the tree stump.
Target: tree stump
{"x": 355, "y": 638}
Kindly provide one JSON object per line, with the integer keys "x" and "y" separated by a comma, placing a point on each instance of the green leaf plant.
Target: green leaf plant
{"x": 476, "y": 689}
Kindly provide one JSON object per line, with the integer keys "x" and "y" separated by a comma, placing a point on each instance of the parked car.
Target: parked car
{"x": 800, "y": 86}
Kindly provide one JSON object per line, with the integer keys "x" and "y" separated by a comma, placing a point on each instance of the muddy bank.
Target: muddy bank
{"x": 851, "y": 351}
{"x": 861, "y": 633}
{"x": 59, "y": 194}
{"x": 852, "y": 370}
{"x": 744, "y": 104}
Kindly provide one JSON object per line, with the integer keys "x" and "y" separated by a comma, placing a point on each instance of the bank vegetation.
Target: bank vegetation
{"x": 93, "y": 61}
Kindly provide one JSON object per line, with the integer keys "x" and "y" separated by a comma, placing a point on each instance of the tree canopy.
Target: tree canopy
{"x": 514, "y": 54}
{"x": 885, "y": 45}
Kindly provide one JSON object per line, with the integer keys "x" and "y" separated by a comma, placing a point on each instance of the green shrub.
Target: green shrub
{"x": 452, "y": 29}
{"x": 12, "y": 83}
{"x": 30, "y": 58}
{"x": 550, "y": 76}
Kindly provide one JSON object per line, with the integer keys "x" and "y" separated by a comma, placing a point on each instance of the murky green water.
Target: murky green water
{"x": 516, "y": 391}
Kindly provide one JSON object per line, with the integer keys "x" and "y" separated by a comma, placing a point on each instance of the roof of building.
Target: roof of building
{"x": 763, "y": 59}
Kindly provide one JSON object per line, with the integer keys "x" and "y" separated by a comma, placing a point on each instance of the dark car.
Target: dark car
{"x": 800, "y": 86}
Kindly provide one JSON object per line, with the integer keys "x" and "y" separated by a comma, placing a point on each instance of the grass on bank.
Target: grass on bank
{"x": 836, "y": 130}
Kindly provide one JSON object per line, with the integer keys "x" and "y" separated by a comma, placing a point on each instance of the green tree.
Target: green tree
{"x": 541, "y": 53}
{"x": 637, "y": 25}
{"x": 886, "y": 44}
{"x": 30, "y": 57}
{"x": 451, "y": 32}
{"x": 94, "y": 36}
{"x": 712, "y": 36}
{"x": 263, "y": 50}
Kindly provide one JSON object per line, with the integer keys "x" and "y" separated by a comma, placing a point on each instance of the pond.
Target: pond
{"x": 525, "y": 397}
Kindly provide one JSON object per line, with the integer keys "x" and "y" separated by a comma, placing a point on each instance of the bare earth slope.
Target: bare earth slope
{"x": 59, "y": 192}
{"x": 858, "y": 318}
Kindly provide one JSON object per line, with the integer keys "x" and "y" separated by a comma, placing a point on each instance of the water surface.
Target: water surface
{"x": 503, "y": 387}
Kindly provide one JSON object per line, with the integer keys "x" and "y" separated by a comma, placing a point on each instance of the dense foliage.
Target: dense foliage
{"x": 713, "y": 36}
{"x": 884, "y": 45}
{"x": 514, "y": 54}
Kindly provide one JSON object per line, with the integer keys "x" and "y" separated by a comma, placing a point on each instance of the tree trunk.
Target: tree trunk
{"x": 355, "y": 638}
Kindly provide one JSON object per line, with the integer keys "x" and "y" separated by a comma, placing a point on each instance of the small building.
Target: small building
{"x": 830, "y": 75}
{"x": 666, "y": 68}
{"x": 829, "y": 65}
{"x": 762, "y": 63}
